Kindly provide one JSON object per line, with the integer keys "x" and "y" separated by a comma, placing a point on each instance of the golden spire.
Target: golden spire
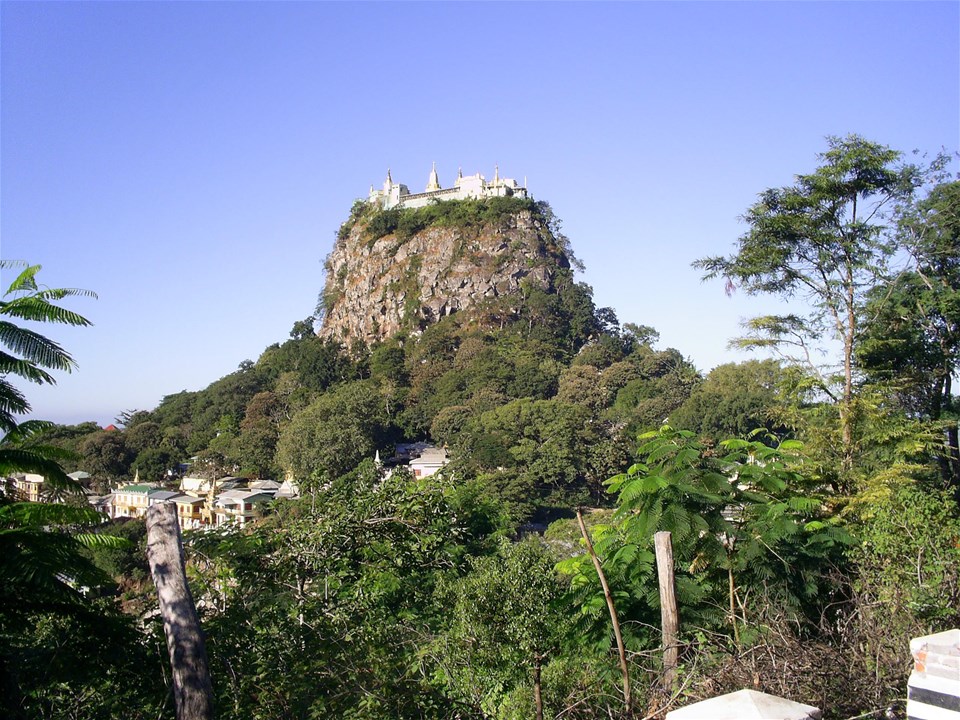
{"x": 434, "y": 182}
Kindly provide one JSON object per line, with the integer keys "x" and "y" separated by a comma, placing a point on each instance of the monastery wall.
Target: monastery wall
{"x": 473, "y": 186}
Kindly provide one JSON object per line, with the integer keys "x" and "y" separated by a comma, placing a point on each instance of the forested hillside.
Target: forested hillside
{"x": 812, "y": 505}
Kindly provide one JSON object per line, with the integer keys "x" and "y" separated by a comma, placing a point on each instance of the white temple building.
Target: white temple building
{"x": 472, "y": 186}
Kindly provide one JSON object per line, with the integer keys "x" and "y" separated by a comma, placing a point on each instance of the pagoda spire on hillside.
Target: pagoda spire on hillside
{"x": 434, "y": 182}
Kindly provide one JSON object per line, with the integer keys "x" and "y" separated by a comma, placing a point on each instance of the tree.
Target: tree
{"x": 905, "y": 580}
{"x": 733, "y": 400}
{"x": 506, "y": 625}
{"x": 663, "y": 381}
{"x": 824, "y": 238}
{"x": 334, "y": 433}
{"x": 30, "y": 357}
{"x": 107, "y": 456}
{"x": 913, "y": 344}
{"x": 581, "y": 385}
{"x": 342, "y": 586}
{"x": 41, "y": 561}
{"x": 143, "y": 436}
{"x": 48, "y": 587}
{"x": 535, "y": 453}
{"x": 749, "y": 533}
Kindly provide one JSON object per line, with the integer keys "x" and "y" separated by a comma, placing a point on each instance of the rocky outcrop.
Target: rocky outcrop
{"x": 378, "y": 286}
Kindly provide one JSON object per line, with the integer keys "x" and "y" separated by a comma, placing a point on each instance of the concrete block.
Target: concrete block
{"x": 943, "y": 645}
{"x": 933, "y": 690}
{"x": 746, "y": 705}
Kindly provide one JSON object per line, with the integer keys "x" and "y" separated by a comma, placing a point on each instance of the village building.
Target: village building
{"x": 239, "y": 506}
{"x": 26, "y": 487}
{"x": 198, "y": 486}
{"x": 100, "y": 503}
{"x": 423, "y": 459}
{"x": 472, "y": 186}
{"x": 190, "y": 511}
{"x": 288, "y": 488}
{"x": 429, "y": 461}
{"x": 270, "y": 486}
{"x": 132, "y": 500}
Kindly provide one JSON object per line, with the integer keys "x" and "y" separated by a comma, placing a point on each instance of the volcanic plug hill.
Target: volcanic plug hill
{"x": 403, "y": 269}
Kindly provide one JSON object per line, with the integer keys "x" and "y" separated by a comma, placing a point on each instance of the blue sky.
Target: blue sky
{"x": 191, "y": 162}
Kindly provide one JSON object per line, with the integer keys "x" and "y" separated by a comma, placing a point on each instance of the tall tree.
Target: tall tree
{"x": 825, "y": 238}
{"x": 913, "y": 343}
{"x": 334, "y": 433}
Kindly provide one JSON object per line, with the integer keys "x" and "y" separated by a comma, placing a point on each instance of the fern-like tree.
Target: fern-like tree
{"x": 41, "y": 565}
{"x": 30, "y": 356}
{"x": 46, "y": 577}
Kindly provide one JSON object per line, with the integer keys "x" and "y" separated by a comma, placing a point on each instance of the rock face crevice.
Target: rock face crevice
{"x": 378, "y": 287}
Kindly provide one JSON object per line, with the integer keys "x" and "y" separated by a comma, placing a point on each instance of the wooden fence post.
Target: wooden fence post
{"x": 669, "y": 620}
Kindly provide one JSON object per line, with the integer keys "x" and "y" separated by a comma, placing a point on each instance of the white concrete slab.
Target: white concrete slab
{"x": 746, "y": 705}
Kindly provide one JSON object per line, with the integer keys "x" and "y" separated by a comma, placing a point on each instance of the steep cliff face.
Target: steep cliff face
{"x": 405, "y": 269}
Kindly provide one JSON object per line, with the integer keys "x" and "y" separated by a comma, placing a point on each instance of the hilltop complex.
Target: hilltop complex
{"x": 404, "y": 261}
{"x": 472, "y": 186}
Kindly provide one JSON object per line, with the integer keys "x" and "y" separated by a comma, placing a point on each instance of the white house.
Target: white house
{"x": 239, "y": 506}
{"x": 422, "y": 458}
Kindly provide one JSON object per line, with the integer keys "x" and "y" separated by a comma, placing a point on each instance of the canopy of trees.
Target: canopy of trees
{"x": 812, "y": 505}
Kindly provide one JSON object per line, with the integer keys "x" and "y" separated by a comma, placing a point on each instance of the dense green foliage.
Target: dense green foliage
{"x": 812, "y": 513}
{"x": 64, "y": 650}
{"x": 463, "y": 214}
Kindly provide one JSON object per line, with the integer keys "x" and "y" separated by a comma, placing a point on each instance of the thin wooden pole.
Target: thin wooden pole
{"x": 192, "y": 689}
{"x": 624, "y": 669}
{"x": 669, "y": 618}
{"x": 537, "y": 692}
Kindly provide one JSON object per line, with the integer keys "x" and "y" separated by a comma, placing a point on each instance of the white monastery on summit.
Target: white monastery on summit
{"x": 472, "y": 186}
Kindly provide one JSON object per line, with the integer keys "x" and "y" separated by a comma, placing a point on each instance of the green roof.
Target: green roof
{"x": 137, "y": 489}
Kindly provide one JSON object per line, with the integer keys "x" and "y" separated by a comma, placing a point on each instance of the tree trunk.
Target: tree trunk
{"x": 953, "y": 455}
{"x": 846, "y": 407}
{"x": 192, "y": 689}
{"x": 950, "y": 464}
{"x": 732, "y": 592}
{"x": 624, "y": 669}
{"x": 669, "y": 620}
